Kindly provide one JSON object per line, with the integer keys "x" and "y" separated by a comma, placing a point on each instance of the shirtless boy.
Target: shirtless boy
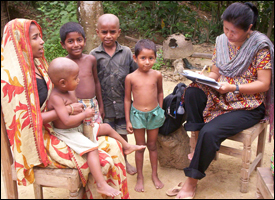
{"x": 88, "y": 91}
{"x": 64, "y": 73}
{"x": 146, "y": 111}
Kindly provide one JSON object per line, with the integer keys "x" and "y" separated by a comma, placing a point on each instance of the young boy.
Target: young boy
{"x": 64, "y": 73}
{"x": 88, "y": 91}
{"x": 114, "y": 63}
{"x": 146, "y": 111}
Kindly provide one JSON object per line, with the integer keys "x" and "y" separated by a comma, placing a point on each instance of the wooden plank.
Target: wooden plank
{"x": 265, "y": 182}
{"x": 6, "y": 162}
{"x": 230, "y": 151}
{"x": 255, "y": 162}
{"x": 202, "y": 55}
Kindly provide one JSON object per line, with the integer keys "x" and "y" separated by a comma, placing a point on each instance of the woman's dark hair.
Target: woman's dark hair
{"x": 145, "y": 44}
{"x": 70, "y": 27}
{"x": 241, "y": 15}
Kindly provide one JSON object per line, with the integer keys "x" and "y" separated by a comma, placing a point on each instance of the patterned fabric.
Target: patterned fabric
{"x": 218, "y": 104}
{"x": 31, "y": 141}
{"x": 237, "y": 65}
{"x": 93, "y": 104}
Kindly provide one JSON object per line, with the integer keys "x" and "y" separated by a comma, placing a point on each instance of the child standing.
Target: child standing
{"x": 146, "y": 111}
{"x": 88, "y": 91}
{"x": 114, "y": 63}
{"x": 64, "y": 73}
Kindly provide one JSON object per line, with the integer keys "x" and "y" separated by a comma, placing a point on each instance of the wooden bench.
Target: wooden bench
{"x": 246, "y": 137}
{"x": 265, "y": 183}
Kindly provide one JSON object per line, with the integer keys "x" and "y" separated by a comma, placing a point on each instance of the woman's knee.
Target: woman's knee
{"x": 193, "y": 93}
{"x": 209, "y": 137}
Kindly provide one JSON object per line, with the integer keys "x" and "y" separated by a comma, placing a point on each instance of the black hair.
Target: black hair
{"x": 241, "y": 15}
{"x": 145, "y": 44}
{"x": 70, "y": 27}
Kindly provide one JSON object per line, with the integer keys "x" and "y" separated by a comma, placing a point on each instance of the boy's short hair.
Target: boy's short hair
{"x": 70, "y": 27}
{"x": 145, "y": 44}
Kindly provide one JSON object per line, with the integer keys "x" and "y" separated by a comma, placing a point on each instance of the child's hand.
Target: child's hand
{"x": 129, "y": 128}
{"x": 89, "y": 112}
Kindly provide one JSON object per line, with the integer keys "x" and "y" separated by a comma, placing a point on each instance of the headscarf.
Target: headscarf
{"x": 242, "y": 60}
{"x": 31, "y": 141}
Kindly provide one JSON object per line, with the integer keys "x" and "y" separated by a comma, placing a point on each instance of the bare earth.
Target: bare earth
{"x": 222, "y": 179}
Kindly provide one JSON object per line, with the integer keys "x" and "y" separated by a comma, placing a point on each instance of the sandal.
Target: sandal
{"x": 175, "y": 190}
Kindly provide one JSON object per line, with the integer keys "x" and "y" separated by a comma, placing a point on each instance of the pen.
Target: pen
{"x": 205, "y": 66}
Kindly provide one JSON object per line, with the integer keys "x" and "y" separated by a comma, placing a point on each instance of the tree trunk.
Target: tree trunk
{"x": 88, "y": 14}
{"x": 5, "y": 18}
{"x": 270, "y": 25}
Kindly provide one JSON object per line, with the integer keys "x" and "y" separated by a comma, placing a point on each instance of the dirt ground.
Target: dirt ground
{"x": 222, "y": 179}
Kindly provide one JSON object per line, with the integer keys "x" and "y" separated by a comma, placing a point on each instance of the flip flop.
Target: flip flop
{"x": 190, "y": 197}
{"x": 175, "y": 190}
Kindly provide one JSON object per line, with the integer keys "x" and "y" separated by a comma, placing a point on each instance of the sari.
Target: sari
{"x": 31, "y": 141}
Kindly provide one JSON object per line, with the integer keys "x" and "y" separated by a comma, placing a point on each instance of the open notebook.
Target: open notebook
{"x": 195, "y": 77}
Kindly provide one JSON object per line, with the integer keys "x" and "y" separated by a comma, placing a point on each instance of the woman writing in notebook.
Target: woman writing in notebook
{"x": 243, "y": 64}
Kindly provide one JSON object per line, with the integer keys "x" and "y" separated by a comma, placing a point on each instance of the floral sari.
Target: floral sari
{"x": 31, "y": 140}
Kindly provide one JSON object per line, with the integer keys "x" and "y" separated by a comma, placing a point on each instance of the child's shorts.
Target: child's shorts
{"x": 149, "y": 120}
{"x": 75, "y": 139}
{"x": 93, "y": 104}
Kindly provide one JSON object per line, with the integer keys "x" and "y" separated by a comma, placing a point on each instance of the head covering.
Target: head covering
{"x": 240, "y": 63}
{"x": 19, "y": 98}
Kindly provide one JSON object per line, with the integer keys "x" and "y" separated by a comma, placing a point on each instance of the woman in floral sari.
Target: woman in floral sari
{"x": 25, "y": 88}
{"x": 243, "y": 63}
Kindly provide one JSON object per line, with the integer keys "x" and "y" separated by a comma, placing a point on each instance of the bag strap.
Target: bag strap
{"x": 169, "y": 102}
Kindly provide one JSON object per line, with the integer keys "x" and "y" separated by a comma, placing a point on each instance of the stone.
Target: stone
{"x": 173, "y": 149}
{"x": 177, "y": 46}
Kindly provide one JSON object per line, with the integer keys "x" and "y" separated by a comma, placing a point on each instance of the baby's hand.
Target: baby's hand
{"x": 89, "y": 112}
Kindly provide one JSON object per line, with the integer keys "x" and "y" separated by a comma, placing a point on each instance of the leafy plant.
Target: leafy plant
{"x": 53, "y": 15}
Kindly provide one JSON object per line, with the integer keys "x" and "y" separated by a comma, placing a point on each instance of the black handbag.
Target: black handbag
{"x": 173, "y": 120}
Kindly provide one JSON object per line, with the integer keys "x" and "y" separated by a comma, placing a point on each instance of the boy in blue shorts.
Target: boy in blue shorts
{"x": 114, "y": 63}
{"x": 145, "y": 113}
{"x": 88, "y": 90}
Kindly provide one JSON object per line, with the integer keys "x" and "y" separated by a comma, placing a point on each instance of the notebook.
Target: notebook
{"x": 195, "y": 77}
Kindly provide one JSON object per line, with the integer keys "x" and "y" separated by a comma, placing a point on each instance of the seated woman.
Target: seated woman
{"x": 243, "y": 63}
{"x": 25, "y": 88}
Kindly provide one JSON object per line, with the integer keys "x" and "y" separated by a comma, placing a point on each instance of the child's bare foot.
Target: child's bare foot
{"x": 130, "y": 169}
{"x": 130, "y": 148}
{"x": 190, "y": 155}
{"x": 158, "y": 184}
{"x": 106, "y": 189}
{"x": 139, "y": 185}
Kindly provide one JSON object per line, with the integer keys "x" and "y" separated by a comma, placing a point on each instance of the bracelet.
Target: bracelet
{"x": 72, "y": 109}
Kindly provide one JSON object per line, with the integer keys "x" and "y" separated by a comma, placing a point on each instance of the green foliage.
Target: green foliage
{"x": 53, "y": 15}
{"x": 159, "y": 60}
{"x": 149, "y": 18}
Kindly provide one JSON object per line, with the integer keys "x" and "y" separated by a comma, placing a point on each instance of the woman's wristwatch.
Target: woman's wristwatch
{"x": 237, "y": 91}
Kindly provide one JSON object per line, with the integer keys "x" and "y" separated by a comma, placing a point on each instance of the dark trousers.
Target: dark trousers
{"x": 213, "y": 133}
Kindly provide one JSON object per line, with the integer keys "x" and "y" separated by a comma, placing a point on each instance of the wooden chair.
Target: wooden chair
{"x": 44, "y": 177}
{"x": 265, "y": 183}
{"x": 246, "y": 137}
